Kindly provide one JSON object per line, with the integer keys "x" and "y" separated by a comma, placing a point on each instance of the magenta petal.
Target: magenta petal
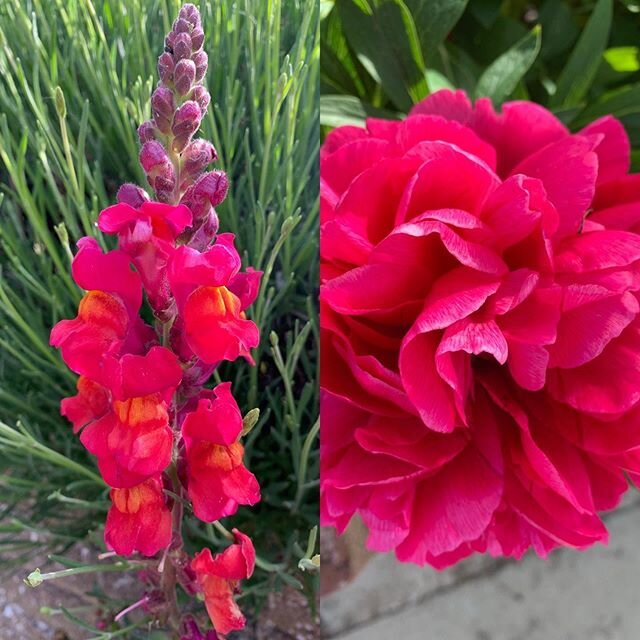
{"x": 568, "y": 170}
{"x": 585, "y": 330}
{"x": 614, "y": 151}
{"x": 452, "y": 507}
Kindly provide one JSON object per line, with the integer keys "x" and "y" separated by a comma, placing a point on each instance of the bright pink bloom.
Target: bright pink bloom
{"x": 107, "y": 323}
{"x": 480, "y": 332}
{"x": 138, "y": 520}
{"x": 90, "y": 403}
{"x": 217, "y": 480}
{"x": 134, "y": 440}
{"x": 148, "y": 234}
{"x": 219, "y": 576}
{"x": 211, "y": 296}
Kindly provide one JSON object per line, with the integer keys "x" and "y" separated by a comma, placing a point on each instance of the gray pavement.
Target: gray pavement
{"x": 590, "y": 595}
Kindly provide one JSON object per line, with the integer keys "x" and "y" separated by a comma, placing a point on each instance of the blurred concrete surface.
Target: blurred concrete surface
{"x": 589, "y": 595}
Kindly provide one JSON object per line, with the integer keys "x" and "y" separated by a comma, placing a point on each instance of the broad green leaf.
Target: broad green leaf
{"x": 325, "y": 8}
{"x": 383, "y": 35}
{"x": 623, "y": 59}
{"x": 559, "y": 28}
{"x": 337, "y": 111}
{"x": 438, "y": 81}
{"x": 502, "y": 76}
{"x": 485, "y": 11}
{"x": 339, "y": 69}
{"x": 434, "y": 19}
{"x": 620, "y": 103}
{"x": 583, "y": 63}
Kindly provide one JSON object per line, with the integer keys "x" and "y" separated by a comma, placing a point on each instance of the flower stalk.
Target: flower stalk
{"x": 161, "y": 439}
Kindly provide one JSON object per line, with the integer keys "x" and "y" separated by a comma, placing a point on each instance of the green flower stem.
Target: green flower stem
{"x": 36, "y": 578}
{"x": 304, "y": 461}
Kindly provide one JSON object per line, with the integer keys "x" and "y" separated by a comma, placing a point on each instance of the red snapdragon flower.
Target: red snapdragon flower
{"x": 211, "y": 296}
{"x": 134, "y": 440}
{"x": 217, "y": 480}
{"x": 218, "y": 577}
{"x": 107, "y": 320}
{"x": 139, "y": 519}
{"x": 148, "y": 234}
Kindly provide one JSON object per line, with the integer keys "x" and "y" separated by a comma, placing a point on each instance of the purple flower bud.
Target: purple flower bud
{"x": 181, "y": 26}
{"x": 162, "y": 107}
{"x": 153, "y": 154}
{"x": 190, "y": 13}
{"x": 206, "y": 232}
{"x": 197, "y": 156}
{"x": 159, "y": 169}
{"x": 202, "y": 97}
{"x": 169, "y": 39}
{"x": 201, "y": 60}
{"x": 186, "y": 122}
{"x": 147, "y": 131}
{"x": 184, "y": 76}
{"x": 208, "y": 192}
{"x": 165, "y": 67}
{"x": 132, "y": 195}
{"x": 213, "y": 186}
{"x": 182, "y": 46}
{"x": 197, "y": 38}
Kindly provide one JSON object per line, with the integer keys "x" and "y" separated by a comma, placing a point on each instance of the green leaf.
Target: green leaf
{"x": 325, "y": 8}
{"x": 582, "y": 66}
{"x": 384, "y": 37}
{"x": 623, "y": 59}
{"x": 502, "y": 76}
{"x": 438, "y": 81}
{"x": 434, "y": 19}
{"x": 620, "y": 103}
{"x": 337, "y": 111}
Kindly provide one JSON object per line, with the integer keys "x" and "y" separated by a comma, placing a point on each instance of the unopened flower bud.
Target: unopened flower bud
{"x": 181, "y": 26}
{"x": 202, "y": 97}
{"x": 147, "y": 131}
{"x": 197, "y": 39}
{"x": 213, "y": 186}
{"x": 208, "y": 192}
{"x": 184, "y": 76}
{"x": 206, "y": 232}
{"x": 165, "y": 67}
{"x": 185, "y": 123}
{"x": 169, "y": 40}
{"x": 159, "y": 169}
{"x": 201, "y": 60}
{"x": 190, "y": 13}
{"x": 197, "y": 156}
{"x": 132, "y": 195}
{"x": 162, "y": 107}
{"x": 182, "y": 46}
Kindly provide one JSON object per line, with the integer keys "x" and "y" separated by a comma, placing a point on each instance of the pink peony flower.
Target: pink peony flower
{"x": 480, "y": 331}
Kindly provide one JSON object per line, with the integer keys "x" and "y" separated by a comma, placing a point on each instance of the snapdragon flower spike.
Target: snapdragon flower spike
{"x": 140, "y": 407}
{"x": 219, "y": 576}
{"x": 217, "y": 480}
{"x": 139, "y": 519}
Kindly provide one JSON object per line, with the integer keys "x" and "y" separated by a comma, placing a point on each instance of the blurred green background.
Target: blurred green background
{"x": 579, "y": 58}
{"x": 62, "y": 161}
